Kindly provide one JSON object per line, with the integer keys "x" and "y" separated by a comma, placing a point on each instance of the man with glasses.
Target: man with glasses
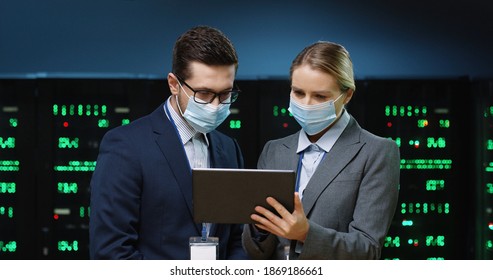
{"x": 141, "y": 190}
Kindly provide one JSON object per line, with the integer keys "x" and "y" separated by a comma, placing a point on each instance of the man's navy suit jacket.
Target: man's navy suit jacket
{"x": 141, "y": 193}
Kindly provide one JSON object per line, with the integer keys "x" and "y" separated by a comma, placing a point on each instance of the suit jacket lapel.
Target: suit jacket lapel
{"x": 216, "y": 158}
{"x": 217, "y": 154}
{"x": 343, "y": 151}
{"x": 289, "y": 158}
{"x": 169, "y": 143}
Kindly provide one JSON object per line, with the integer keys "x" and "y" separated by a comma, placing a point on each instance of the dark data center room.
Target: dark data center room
{"x": 70, "y": 71}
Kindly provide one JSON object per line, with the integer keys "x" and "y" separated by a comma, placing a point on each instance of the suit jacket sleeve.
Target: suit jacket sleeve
{"x": 256, "y": 247}
{"x": 115, "y": 200}
{"x": 235, "y": 248}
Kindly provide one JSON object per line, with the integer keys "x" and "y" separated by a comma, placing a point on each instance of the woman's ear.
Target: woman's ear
{"x": 349, "y": 95}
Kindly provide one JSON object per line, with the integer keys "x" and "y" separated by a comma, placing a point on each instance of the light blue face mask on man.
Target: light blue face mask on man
{"x": 314, "y": 118}
{"x": 203, "y": 117}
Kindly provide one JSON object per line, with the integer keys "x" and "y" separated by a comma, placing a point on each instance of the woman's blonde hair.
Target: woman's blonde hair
{"x": 330, "y": 58}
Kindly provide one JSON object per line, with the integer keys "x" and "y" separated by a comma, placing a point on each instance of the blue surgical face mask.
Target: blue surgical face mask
{"x": 313, "y": 118}
{"x": 203, "y": 117}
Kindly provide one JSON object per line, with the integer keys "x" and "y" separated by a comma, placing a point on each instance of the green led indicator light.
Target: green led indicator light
{"x": 277, "y": 111}
{"x": 414, "y": 143}
{"x": 489, "y": 145}
{"x": 79, "y": 110}
{"x": 9, "y": 211}
{"x": 422, "y": 123}
{"x": 489, "y": 168}
{"x": 404, "y": 111}
{"x": 392, "y": 242}
{"x": 68, "y": 246}
{"x": 489, "y": 244}
{"x": 8, "y": 247}
{"x": 489, "y": 188}
{"x": 432, "y": 241}
{"x": 407, "y": 223}
{"x": 397, "y": 141}
{"x": 435, "y": 185}
{"x": 425, "y": 208}
{"x": 444, "y": 123}
{"x": 490, "y": 113}
{"x": 67, "y": 188}
{"x": 7, "y": 187}
{"x": 426, "y": 164}
{"x": 103, "y": 123}
{"x": 9, "y": 165}
{"x": 67, "y": 143}
{"x": 77, "y": 166}
{"x": 436, "y": 143}
{"x": 8, "y": 143}
{"x": 84, "y": 211}
{"x": 125, "y": 121}
{"x": 13, "y": 122}
{"x": 235, "y": 124}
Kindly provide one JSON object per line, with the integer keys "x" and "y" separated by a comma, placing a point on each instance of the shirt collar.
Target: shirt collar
{"x": 329, "y": 138}
{"x": 185, "y": 130}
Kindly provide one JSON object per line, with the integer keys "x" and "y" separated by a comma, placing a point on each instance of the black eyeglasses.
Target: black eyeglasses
{"x": 207, "y": 96}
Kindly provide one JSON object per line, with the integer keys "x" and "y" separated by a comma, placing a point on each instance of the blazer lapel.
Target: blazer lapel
{"x": 343, "y": 151}
{"x": 289, "y": 158}
{"x": 217, "y": 154}
{"x": 169, "y": 143}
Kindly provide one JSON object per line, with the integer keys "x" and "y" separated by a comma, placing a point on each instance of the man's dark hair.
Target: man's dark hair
{"x": 202, "y": 44}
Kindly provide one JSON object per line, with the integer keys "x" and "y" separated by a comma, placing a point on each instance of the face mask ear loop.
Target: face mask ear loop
{"x": 343, "y": 105}
{"x": 178, "y": 103}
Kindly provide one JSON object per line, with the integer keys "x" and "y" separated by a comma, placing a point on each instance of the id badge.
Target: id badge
{"x": 201, "y": 249}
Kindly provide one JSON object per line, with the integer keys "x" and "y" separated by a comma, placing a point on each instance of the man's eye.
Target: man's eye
{"x": 206, "y": 93}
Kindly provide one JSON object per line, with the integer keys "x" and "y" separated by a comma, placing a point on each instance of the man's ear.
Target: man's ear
{"x": 174, "y": 87}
